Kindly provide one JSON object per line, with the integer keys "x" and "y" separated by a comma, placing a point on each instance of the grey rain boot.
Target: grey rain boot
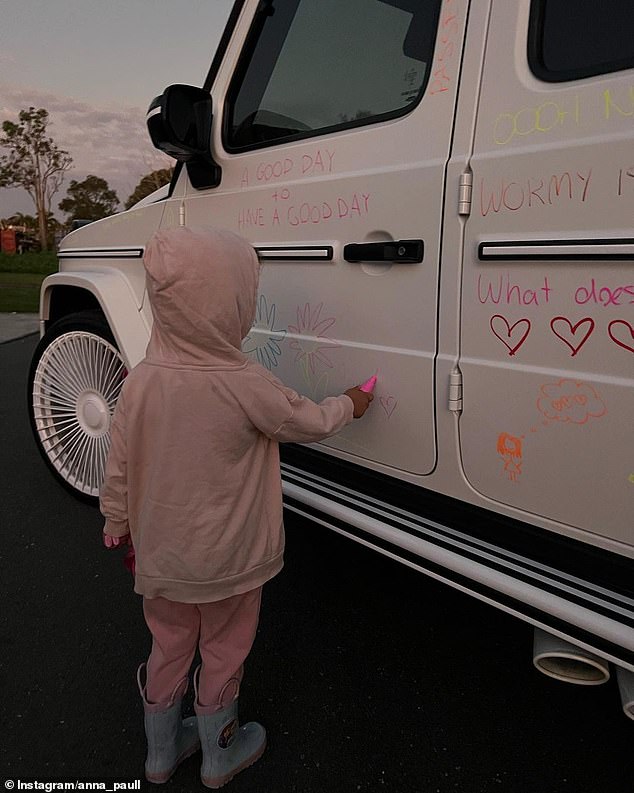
{"x": 227, "y": 747}
{"x": 170, "y": 740}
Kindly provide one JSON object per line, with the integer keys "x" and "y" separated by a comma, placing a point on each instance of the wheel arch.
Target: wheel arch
{"x": 109, "y": 291}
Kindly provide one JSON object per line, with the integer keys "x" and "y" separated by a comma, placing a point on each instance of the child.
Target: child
{"x": 193, "y": 476}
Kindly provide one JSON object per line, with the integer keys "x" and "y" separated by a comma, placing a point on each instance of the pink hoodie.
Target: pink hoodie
{"x": 193, "y": 471}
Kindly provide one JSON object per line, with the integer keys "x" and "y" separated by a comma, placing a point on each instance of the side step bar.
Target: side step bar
{"x": 578, "y": 610}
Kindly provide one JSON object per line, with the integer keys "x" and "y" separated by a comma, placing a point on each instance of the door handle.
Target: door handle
{"x": 404, "y": 251}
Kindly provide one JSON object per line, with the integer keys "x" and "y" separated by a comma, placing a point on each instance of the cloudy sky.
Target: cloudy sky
{"x": 95, "y": 65}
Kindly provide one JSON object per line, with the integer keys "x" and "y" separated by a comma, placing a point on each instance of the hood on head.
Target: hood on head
{"x": 202, "y": 284}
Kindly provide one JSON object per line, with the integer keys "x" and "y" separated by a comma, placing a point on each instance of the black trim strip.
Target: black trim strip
{"x": 583, "y": 250}
{"x": 426, "y": 565}
{"x": 611, "y": 571}
{"x": 100, "y": 253}
{"x": 475, "y": 554}
{"x": 304, "y": 253}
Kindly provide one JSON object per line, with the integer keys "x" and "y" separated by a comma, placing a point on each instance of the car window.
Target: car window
{"x": 570, "y": 40}
{"x": 316, "y": 65}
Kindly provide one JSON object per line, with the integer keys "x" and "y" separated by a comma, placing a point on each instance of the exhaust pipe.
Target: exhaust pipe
{"x": 563, "y": 661}
{"x": 625, "y": 680}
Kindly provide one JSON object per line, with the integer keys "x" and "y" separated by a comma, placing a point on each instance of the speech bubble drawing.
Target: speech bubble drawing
{"x": 570, "y": 401}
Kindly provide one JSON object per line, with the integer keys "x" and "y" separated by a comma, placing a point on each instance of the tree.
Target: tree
{"x": 148, "y": 184}
{"x": 20, "y": 219}
{"x": 26, "y": 227}
{"x": 91, "y": 199}
{"x": 33, "y": 162}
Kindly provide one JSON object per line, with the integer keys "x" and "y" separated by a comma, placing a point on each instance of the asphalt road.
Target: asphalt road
{"x": 367, "y": 675}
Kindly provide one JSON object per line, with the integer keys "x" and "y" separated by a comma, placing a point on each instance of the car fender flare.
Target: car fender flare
{"x": 116, "y": 298}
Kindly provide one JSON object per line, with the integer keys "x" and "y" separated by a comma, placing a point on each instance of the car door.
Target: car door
{"x": 547, "y": 323}
{"x": 332, "y": 127}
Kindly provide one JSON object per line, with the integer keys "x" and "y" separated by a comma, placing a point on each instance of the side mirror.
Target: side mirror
{"x": 179, "y": 123}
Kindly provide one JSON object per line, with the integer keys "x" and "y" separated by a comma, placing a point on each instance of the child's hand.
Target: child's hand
{"x": 360, "y": 399}
{"x": 116, "y": 542}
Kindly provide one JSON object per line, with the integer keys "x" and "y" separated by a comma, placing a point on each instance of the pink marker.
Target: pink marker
{"x": 368, "y": 386}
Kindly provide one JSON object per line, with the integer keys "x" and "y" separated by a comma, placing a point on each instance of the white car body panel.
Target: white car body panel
{"x": 505, "y": 369}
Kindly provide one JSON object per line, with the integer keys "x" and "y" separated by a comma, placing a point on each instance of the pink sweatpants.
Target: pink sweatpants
{"x": 223, "y": 631}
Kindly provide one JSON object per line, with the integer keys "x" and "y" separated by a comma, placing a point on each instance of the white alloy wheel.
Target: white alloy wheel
{"x": 76, "y": 380}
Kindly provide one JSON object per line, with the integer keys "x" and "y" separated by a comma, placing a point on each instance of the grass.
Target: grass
{"x": 20, "y": 278}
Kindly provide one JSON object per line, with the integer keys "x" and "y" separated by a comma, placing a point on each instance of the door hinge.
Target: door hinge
{"x": 464, "y": 193}
{"x": 455, "y": 391}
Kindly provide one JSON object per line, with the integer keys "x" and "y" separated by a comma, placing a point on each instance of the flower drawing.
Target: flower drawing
{"x": 317, "y": 384}
{"x": 311, "y": 344}
{"x": 264, "y": 339}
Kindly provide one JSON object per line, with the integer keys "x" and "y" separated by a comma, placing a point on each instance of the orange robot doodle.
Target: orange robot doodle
{"x": 510, "y": 450}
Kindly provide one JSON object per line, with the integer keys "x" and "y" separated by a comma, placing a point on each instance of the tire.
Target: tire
{"x": 74, "y": 382}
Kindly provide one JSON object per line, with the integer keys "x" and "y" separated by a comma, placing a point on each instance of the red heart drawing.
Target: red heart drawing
{"x": 571, "y": 332}
{"x": 388, "y": 404}
{"x": 508, "y": 332}
{"x": 625, "y": 344}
